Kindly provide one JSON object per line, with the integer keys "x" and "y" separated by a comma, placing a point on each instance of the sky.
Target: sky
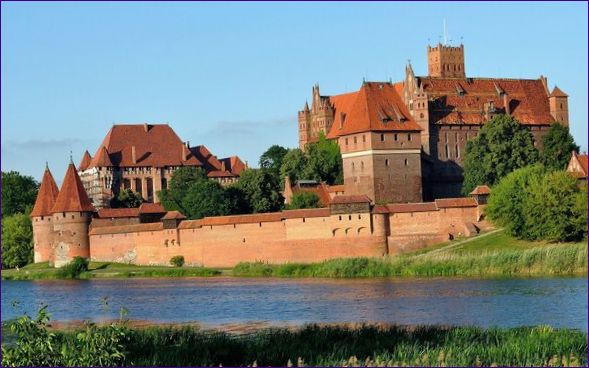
{"x": 232, "y": 76}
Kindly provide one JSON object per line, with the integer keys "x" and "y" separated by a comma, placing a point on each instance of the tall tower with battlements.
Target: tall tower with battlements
{"x": 446, "y": 61}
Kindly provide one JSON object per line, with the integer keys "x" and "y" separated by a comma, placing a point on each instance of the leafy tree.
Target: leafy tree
{"x": 293, "y": 165}
{"x": 304, "y": 200}
{"x": 205, "y": 198}
{"x": 552, "y": 208}
{"x": 558, "y": 145}
{"x": 126, "y": 199}
{"x": 272, "y": 158}
{"x": 17, "y": 241}
{"x": 504, "y": 207}
{"x": 502, "y": 146}
{"x": 237, "y": 201}
{"x": 181, "y": 180}
{"x": 261, "y": 189}
{"x": 18, "y": 193}
{"x": 324, "y": 162}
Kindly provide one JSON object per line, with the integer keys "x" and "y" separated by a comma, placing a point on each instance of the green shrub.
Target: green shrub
{"x": 177, "y": 261}
{"x": 73, "y": 269}
{"x": 304, "y": 200}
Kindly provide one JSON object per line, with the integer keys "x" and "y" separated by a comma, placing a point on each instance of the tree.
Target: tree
{"x": 261, "y": 189}
{"x": 17, "y": 240}
{"x": 505, "y": 204}
{"x": 324, "y": 162}
{"x": 18, "y": 193}
{"x": 502, "y": 146}
{"x": 293, "y": 165}
{"x": 272, "y": 158}
{"x": 205, "y": 198}
{"x": 237, "y": 201}
{"x": 552, "y": 209}
{"x": 126, "y": 199}
{"x": 304, "y": 200}
{"x": 558, "y": 145}
{"x": 181, "y": 180}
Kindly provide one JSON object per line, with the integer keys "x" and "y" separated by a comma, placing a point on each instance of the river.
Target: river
{"x": 219, "y": 301}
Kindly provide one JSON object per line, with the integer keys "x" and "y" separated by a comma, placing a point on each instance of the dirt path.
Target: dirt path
{"x": 453, "y": 245}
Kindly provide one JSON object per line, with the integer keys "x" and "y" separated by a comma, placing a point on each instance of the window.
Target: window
{"x": 364, "y": 138}
{"x": 396, "y": 137}
{"x": 361, "y": 165}
{"x": 353, "y": 166}
{"x": 382, "y": 137}
{"x": 350, "y": 217}
{"x": 406, "y": 162}
{"x": 409, "y": 137}
{"x": 355, "y": 140}
{"x": 346, "y": 141}
{"x": 386, "y": 162}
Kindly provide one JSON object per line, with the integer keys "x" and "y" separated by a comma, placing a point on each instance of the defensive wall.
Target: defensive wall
{"x": 350, "y": 227}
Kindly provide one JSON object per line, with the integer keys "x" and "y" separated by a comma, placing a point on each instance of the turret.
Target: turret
{"x": 72, "y": 214}
{"x": 446, "y": 61}
{"x": 559, "y": 106}
{"x": 41, "y": 218}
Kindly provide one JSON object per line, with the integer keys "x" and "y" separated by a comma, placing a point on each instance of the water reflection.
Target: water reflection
{"x": 559, "y": 302}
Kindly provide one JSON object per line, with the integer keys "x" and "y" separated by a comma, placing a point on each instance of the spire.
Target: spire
{"x": 72, "y": 196}
{"x": 47, "y": 195}
{"x": 85, "y": 163}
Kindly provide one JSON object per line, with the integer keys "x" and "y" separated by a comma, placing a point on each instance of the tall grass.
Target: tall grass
{"x": 364, "y": 345}
{"x": 561, "y": 259}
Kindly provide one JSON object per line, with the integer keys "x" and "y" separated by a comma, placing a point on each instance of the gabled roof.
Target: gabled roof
{"x": 207, "y": 159}
{"x": 72, "y": 195}
{"x": 321, "y": 190}
{"x": 455, "y": 202}
{"x": 481, "y": 190}
{"x": 147, "y": 207}
{"x": 359, "y": 198}
{"x": 118, "y": 212}
{"x": 527, "y": 99}
{"x": 101, "y": 159}
{"x": 46, "y": 197}
{"x": 173, "y": 215}
{"x": 557, "y": 92}
{"x": 375, "y": 107}
{"x": 85, "y": 163}
{"x": 233, "y": 164}
{"x": 156, "y": 145}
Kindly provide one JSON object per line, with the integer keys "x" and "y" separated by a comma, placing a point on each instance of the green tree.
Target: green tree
{"x": 18, "y": 193}
{"x": 205, "y": 198}
{"x": 237, "y": 201}
{"x": 502, "y": 146}
{"x": 304, "y": 200}
{"x": 272, "y": 158}
{"x": 17, "y": 241}
{"x": 324, "y": 162}
{"x": 293, "y": 165}
{"x": 181, "y": 180}
{"x": 558, "y": 145}
{"x": 262, "y": 190}
{"x": 552, "y": 209}
{"x": 126, "y": 199}
{"x": 504, "y": 207}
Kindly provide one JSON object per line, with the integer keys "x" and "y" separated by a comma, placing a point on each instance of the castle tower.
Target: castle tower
{"x": 304, "y": 121}
{"x": 41, "y": 218}
{"x": 72, "y": 214}
{"x": 417, "y": 100}
{"x": 446, "y": 61}
{"x": 315, "y": 121}
{"x": 559, "y": 106}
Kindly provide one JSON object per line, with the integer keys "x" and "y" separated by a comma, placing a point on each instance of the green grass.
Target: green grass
{"x": 365, "y": 345}
{"x": 495, "y": 255}
{"x": 38, "y": 271}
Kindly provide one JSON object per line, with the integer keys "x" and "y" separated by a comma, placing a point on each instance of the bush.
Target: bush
{"x": 17, "y": 241}
{"x": 73, "y": 269}
{"x": 304, "y": 200}
{"x": 177, "y": 261}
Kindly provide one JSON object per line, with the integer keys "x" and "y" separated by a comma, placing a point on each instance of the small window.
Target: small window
{"x": 409, "y": 137}
{"x": 361, "y": 165}
{"x": 359, "y": 217}
{"x": 364, "y": 138}
{"x": 355, "y": 140}
{"x": 346, "y": 141}
{"x": 406, "y": 162}
{"x": 386, "y": 162}
{"x": 350, "y": 217}
{"x": 340, "y": 218}
{"x": 382, "y": 137}
{"x": 396, "y": 137}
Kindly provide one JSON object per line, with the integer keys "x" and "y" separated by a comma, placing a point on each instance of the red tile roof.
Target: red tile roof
{"x": 362, "y": 198}
{"x": 220, "y": 174}
{"x": 308, "y": 212}
{"x": 46, "y": 197}
{"x": 85, "y": 163}
{"x": 208, "y": 160}
{"x": 375, "y": 107}
{"x": 233, "y": 164}
{"x": 72, "y": 195}
{"x": 335, "y": 188}
{"x": 101, "y": 159}
{"x": 411, "y": 207}
{"x": 122, "y": 229}
{"x": 321, "y": 190}
{"x": 557, "y": 92}
{"x": 481, "y": 190}
{"x": 156, "y": 145}
{"x": 455, "y": 202}
{"x": 118, "y": 212}
{"x": 173, "y": 215}
{"x": 527, "y": 99}
{"x": 151, "y": 208}
{"x": 583, "y": 162}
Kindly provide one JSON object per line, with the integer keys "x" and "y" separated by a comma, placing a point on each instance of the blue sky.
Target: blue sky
{"x": 232, "y": 76}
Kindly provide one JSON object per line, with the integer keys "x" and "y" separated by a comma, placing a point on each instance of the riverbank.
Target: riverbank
{"x": 492, "y": 255}
{"x": 345, "y": 345}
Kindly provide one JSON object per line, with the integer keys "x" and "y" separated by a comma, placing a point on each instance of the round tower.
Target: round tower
{"x": 72, "y": 214}
{"x": 41, "y": 218}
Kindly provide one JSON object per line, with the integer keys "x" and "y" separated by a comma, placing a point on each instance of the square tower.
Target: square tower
{"x": 446, "y": 61}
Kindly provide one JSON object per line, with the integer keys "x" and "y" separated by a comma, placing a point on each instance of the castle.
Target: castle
{"x": 405, "y": 141}
{"x": 401, "y": 143}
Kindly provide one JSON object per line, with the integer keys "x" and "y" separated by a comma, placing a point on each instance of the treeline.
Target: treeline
{"x": 532, "y": 195}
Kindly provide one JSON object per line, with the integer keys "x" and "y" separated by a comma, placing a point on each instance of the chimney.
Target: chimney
{"x": 223, "y": 166}
{"x": 133, "y": 155}
{"x": 545, "y": 83}
{"x": 145, "y": 127}
{"x": 506, "y": 102}
{"x": 184, "y": 153}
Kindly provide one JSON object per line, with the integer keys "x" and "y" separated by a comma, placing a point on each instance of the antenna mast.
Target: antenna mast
{"x": 445, "y": 34}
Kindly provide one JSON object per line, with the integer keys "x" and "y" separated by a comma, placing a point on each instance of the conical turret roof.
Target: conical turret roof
{"x": 72, "y": 196}
{"x": 47, "y": 195}
{"x": 557, "y": 92}
{"x": 85, "y": 163}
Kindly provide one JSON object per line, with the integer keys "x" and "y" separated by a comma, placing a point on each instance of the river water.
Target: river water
{"x": 213, "y": 302}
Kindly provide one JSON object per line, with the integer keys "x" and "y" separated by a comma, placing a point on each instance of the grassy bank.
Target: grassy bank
{"x": 39, "y": 271}
{"x": 494, "y": 255}
{"x": 350, "y": 346}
